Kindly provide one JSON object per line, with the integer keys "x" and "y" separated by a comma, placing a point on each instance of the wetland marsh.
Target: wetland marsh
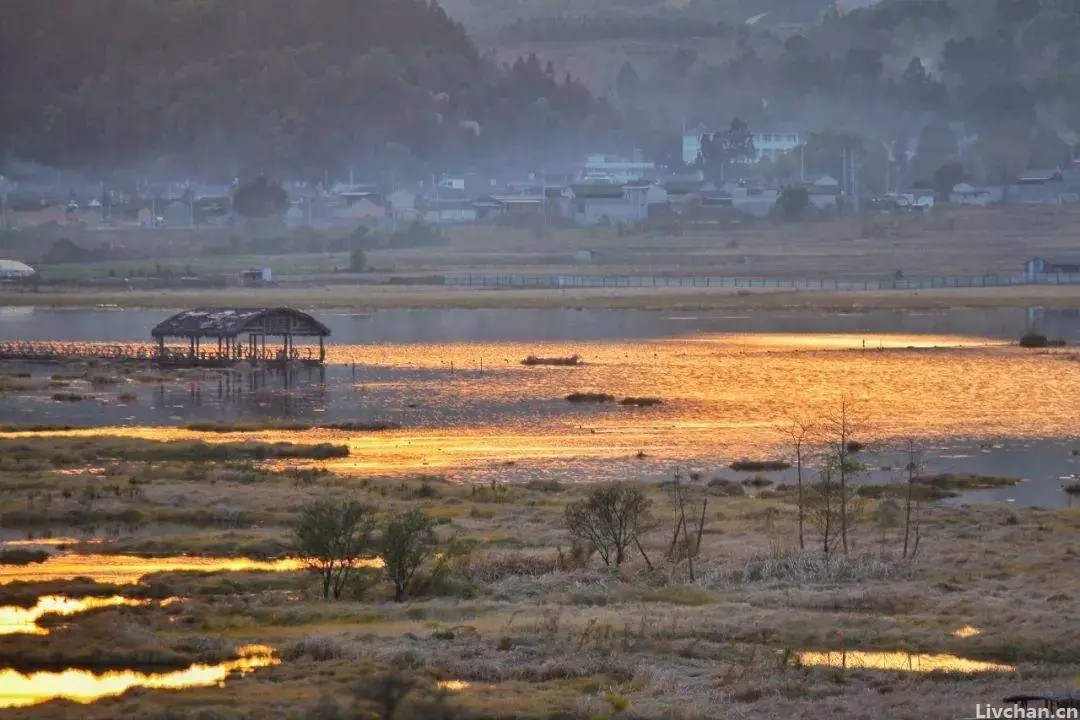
{"x": 167, "y": 520}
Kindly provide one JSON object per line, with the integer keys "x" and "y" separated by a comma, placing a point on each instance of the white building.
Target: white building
{"x": 773, "y": 142}
{"x": 616, "y": 169}
{"x": 769, "y": 143}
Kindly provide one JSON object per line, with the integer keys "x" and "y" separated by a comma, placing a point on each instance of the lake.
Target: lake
{"x": 453, "y": 379}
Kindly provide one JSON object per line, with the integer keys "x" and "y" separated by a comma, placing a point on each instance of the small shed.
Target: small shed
{"x": 229, "y": 326}
{"x": 1037, "y": 266}
{"x": 256, "y": 277}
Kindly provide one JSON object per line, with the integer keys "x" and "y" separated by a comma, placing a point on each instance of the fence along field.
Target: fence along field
{"x": 644, "y": 281}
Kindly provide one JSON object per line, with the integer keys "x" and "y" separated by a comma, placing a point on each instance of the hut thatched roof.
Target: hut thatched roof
{"x": 230, "y": 322}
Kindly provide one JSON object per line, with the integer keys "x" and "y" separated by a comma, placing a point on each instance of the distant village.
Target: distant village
{"x": 600, "y": 190}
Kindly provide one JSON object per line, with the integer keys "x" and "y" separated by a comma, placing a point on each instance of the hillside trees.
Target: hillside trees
{"x": 260, "y": 199}
{"x": 720, "y": 150}
{"x": 216, "y": 84}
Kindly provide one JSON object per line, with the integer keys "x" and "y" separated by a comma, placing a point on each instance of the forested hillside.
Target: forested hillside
{"x": 206, "y": 85}
{"x": 487, "y": 16}
{"x": 998, "y": 80}
{"x": 986, "y": 87}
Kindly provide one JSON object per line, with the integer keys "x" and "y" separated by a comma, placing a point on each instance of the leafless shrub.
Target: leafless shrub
{"x": 498, "y": 566}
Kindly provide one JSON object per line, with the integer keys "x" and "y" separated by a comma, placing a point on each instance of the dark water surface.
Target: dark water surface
{"x": 493, "y": 325}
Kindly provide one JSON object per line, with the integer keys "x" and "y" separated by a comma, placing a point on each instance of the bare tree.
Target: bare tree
{"x": 610, "y": 519}
{"x": 887, "y": 515}
{"x": 840, "y": 428}
{"x": 829, "y": 509}
{"x": 821, "y": 504}
{"x": 912, "y": 510}
{"x": 798, "y": 431}
{"x": 406, "y": 543}
{"x": 690, "y": 545}
{"x": 333, "y": 537}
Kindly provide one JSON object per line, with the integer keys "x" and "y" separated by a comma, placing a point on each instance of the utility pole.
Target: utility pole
{"x": 393, "y": 210}
{"x": 845, "y": 190}
{"x": 543, "y": 203}
{"x": 3, "y": 203}
{"x": 438, "y": 207}
{"x": 855, "y": 180}
{"x": 802, "y": 163}
{"x": 889, "y": 159}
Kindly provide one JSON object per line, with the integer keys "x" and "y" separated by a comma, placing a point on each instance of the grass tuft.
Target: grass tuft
{"x": 759, "y": 465}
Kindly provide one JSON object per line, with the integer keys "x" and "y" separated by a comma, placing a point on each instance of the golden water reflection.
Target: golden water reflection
{"x": 453, "y": 685}
{"x": 966, "y": 632}
{"x": 130, "y": 569}
{"x": 724, "y": 397}
{"x": 21, "y": 620}
{"x": 22, "y": 689}
{"x": 899, "y": 661}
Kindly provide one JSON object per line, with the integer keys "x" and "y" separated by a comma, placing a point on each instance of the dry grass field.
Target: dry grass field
{"x": 382, "y": 297}
{"x": 522, "y": 625}
{"x": 949, "y": 241}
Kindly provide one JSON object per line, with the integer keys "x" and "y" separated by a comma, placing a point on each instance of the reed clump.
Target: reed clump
{"x": 571, "y": 361}
{"x": 590, "y": 397}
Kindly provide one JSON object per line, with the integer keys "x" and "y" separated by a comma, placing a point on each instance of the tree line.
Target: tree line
{"x": 579, "y": 28}
{"x": 210, "y": 86}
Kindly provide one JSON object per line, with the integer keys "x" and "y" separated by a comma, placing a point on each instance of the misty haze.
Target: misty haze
{"x": 538, "y": 359}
